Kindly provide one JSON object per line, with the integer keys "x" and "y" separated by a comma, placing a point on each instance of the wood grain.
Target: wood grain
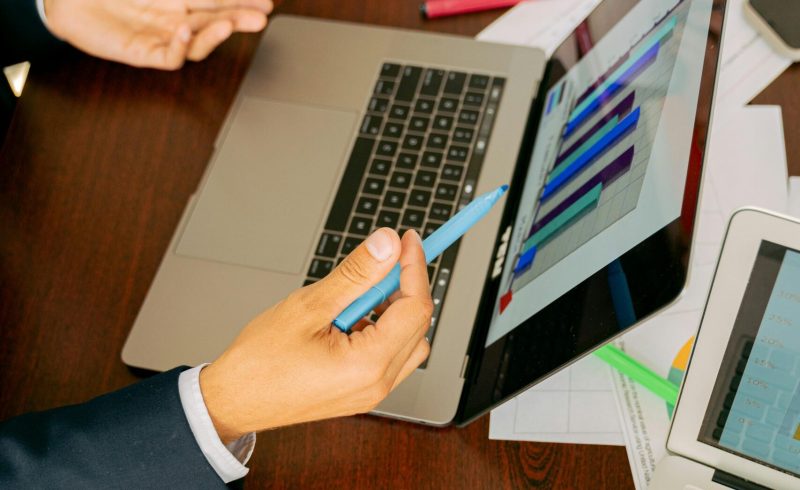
{"x": 95, "y": 171}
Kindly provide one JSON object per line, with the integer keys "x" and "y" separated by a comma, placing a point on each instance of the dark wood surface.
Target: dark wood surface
{"x": 94, "y": 174}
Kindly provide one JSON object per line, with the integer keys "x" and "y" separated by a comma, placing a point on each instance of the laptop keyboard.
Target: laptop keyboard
{"x": 414, "y": 163}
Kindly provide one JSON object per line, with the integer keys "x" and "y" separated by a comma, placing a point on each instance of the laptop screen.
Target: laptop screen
{"x": 601, "y": 211}
{"x": 755, "y": 404}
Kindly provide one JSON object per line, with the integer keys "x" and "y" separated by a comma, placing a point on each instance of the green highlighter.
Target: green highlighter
{"x": 622, "y": 362}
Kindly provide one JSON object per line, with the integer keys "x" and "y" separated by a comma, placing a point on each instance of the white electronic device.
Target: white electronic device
{"x": 778, "y": 21}
{"x": 737, "y": 421}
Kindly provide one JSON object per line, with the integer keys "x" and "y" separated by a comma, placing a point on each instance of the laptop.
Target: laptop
{"x": 737, "y": 421}
{"x": 339, "y": 129}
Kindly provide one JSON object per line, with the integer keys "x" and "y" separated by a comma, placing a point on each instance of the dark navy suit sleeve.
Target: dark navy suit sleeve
{"x": 137, "y": 437}
{"x": 23, "y": 36}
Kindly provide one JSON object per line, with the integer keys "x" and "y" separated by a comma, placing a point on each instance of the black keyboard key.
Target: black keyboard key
{"x": 378, "y": 104}
{"x": 430, "y": 227}
{"x": 394, "y": 199}
{"x": 392, "y": 129}
{"x": 348, "y": 188}
{"x": 384, "y": 87}
{"x": 407, "y": 160}
{"x": 442, "y": 123}
{"x": 431, "y": 82}
{"x": 425, "y": 178}
{"x": 328, "y": 245}
{"x": 390, "y": 70}
{"x": 360, "y": 226}
{"x": 380, "y": 166}
{"x": 408, "y": 83}
{"x": 458, "y": 153}
{"x": 399, "y": 111}
{"x": 440, "y": 211}
{"x": 455, "y": 83}
{"x": 473, "y": 99}
{"x": 431, "y": 159}
{"x": 413, "y": 218}
{"x": 423, "y": 106}
{"x": 340, "y": 259}
{"x": 431, "y": 272}
{"x": 419, "y": 124}
{"x": 452, "y": 172}
{"x": 388, "y": 219}
{"x": 479, "y": 82}
{"x": 308, "y": 282}
{"x": 320, "y": 268}
{"x": 367, "y": 205}
{"x": 448, "y": 104}
{"x": 419, "y": 198}
{"x": 400, "y": 179}
{"x": 447, "y": 192}
{"x": 463, "y": 135}
{"x": 371, "y": 125}
{"x": 350, "y": 244}
{"x": 412, "y": 142}
{"x": 468, "y": 117}
{"x": 386, "y": 148}
{"x": 437, "y": 141}
{"x": 374, "y": 186}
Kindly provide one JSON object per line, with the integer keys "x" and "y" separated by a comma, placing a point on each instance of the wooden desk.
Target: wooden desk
{"x": 94, "y": 174}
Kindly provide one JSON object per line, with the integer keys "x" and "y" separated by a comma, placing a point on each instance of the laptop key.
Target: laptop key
{"x": 443, "y": 123}
{"x": 388, "y": 219}
{"x": 378, "y": 104}
{"x": 419, "y": 124}
{"x": 392, "y": 129}
{"x": 425, "y": 178}
{"x": 473, "y": 99}
{"x": 400, "y": 179}
{"x": 431, "y": 159}
{"x": 407, "y": 160}
{"x": 408, "y": 83}
{"x": 366, "y": 205}
{"x": 384, "y": 87}
{"x": 412, "y": 142}
{"x": 386, "y": 148}
{"x": 346, "y": 195}
{"x": 479, "y": 82}
{"x": 446, "y": 192}
{"x": 430, "y": 227}
{"x": 394, "y": 199}
{"x": 448, "y": 104}
{"x": 399, "y": 111}
{"x": 452, "y": 172}
{"x": 419, "y": 198}
{"x": 390, "y": 70}
{"x": 457, "y": 153}
{"x": 455, "y": 83}
{"x": 431, "y": 82}
{"x": 423, "y": 106}
{"x": 437, "y": 141}
{"x": 463, "y": 135}
{"x": 328, "y": 245}
{"x": 440, "y": 211}
{"x": 413, "y": 218}
{"x": 380, "y": 166}
{"x": 374, "y": 186}
{"x": 431, "y": 272}
{"x": 360, "y": 226}
{"x": 371, "y": 125}
{"x": 468, "y": 117}
{"x": 350, "y": 244}
{"x": 320, "y": 268}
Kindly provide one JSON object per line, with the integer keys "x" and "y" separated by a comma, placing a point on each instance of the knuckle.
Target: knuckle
{"x": 353, "y": 271}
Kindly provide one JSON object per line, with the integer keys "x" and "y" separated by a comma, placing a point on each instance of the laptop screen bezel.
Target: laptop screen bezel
{"x": 479, "y": 395}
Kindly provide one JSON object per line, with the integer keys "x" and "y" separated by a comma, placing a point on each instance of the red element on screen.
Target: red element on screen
{"x": 505, "y": 300}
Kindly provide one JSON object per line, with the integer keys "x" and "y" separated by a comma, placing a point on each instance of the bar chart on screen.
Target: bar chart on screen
{"x": 603, "y": 152}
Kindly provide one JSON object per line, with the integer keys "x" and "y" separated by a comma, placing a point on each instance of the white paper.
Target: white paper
{"x": 747, "y": 148}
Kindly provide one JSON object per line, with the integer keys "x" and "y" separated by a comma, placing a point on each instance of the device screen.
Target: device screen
{"x": 784, "y": 18}
{"x": 755, "y": 404}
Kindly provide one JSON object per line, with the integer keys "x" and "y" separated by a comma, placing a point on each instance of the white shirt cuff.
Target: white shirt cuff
{"x": 228, "y": 461}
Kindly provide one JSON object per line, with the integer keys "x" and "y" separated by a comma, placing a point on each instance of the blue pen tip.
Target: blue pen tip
{"x": 504, "y": 187}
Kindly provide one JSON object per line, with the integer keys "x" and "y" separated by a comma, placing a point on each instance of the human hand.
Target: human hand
{"x": 291, "y": 365}
{"x": 153, "y": 33}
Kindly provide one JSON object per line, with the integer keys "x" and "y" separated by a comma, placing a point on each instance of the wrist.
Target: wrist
{"x": 220, "y": 405}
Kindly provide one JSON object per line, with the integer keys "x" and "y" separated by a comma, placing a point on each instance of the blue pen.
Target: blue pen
{"x": 433, "y": 246}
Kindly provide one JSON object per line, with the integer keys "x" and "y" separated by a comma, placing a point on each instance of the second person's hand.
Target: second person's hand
{"x": 153, "y": 33}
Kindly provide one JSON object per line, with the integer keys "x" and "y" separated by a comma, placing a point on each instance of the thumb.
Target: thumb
{"x": 363, "y": 268}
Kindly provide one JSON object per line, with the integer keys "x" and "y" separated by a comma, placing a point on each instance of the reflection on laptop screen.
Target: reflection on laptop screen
{"x": 609, "y": 161}
{"x": 755, "y": 404}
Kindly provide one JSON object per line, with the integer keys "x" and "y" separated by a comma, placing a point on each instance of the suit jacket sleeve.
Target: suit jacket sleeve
{"x": 137, "y": 437}
{"x": 23, "y": 36}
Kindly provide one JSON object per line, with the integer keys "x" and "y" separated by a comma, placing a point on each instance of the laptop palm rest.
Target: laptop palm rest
{"x": 270, "y": 185}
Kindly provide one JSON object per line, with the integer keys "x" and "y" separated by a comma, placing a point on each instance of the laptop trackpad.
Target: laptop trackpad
{"x": 270, "y": 185}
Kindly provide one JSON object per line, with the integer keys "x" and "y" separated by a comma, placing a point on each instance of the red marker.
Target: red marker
{"x": 443, "y": 8}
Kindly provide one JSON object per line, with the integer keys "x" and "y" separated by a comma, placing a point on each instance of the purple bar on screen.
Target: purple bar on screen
{"x": 608, "y": 175}
{"x": 621, "y": 109}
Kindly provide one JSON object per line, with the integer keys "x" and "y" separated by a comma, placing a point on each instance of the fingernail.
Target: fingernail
{"x": 379, "y": 245}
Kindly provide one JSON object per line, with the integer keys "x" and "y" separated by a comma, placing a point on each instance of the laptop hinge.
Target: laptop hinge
{"x": 733, "y": 481}
{"x": 464, "y": 366}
